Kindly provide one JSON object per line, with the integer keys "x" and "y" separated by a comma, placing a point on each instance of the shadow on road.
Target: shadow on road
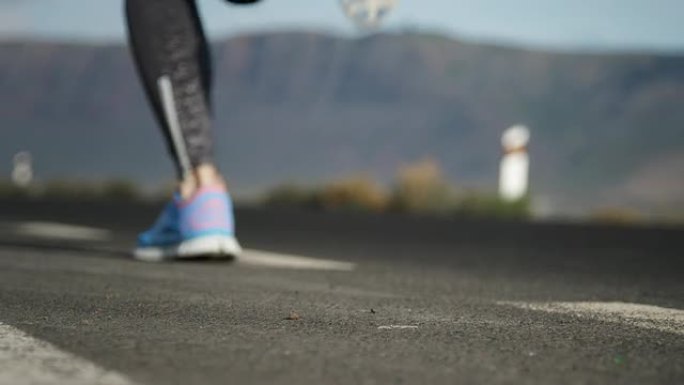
{"x": 98, "y": 250}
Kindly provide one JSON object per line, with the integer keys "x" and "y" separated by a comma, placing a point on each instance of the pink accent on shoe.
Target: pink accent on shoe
{"x": 211, "y": 214}
{"x": 219, "y": 189}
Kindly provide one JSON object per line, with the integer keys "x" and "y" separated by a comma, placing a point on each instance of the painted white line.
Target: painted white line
{"x": 61, "y": 231}
{"x": 25, "y": 360}
{"x": 398, "y": 327}
{"x": 633, "y": 314}
{"x": 287, "y": 261}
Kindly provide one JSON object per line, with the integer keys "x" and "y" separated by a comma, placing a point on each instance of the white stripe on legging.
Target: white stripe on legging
{"x": 171, "y": 115}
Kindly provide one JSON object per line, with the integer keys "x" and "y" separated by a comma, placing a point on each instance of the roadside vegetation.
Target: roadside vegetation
{"x": 73, "y": 189}
{"x": 418, "y": 188}
{"x": 616, "y": 216}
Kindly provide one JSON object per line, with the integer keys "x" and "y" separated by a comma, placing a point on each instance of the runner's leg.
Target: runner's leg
{"x": 172, "y": 58}
{"x": 173, "y": 61}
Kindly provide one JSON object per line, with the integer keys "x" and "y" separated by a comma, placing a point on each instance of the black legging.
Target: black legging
{"x": 174, "y": 63}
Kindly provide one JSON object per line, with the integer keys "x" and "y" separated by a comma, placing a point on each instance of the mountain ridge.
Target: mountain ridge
{"x": 312, "y": 107}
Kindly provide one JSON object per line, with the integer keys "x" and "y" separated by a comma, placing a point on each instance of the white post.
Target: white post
{"x": 515, "y": 164}
{"x": 22, "y": 173}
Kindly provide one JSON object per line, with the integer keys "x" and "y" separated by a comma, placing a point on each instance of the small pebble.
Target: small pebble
{"x": 293, "y": 316}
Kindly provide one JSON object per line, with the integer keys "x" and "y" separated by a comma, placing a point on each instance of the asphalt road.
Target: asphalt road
{"x": 424, "y": 301}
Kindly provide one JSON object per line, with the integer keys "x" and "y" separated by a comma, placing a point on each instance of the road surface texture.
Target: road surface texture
{"x": 338, "y": 299}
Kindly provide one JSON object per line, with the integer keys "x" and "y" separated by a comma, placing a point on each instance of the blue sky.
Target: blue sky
{"x": 560, "y": 24}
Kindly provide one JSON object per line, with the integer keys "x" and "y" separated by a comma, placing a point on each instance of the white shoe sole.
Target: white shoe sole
{"x": 215, "y": 246}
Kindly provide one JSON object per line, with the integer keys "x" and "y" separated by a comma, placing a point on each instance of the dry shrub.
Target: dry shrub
{"x": 291, "y": 195}
{"x": 616, "y": 216}
{"x": 421, "y": 187}
{"x": 355, "y": 193}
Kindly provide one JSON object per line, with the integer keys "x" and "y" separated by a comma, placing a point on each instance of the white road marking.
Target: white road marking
{"x": 25, "y": 360}
{"x": 260, "y": 258}
{"x": 633, "y": 314}
{"x": 398, "y": 327}
{"x": 288, "y": 261}
{"x": 61, "y": 231}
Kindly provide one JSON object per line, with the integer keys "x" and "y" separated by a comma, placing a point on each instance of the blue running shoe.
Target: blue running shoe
{"x": 201, "y": 226}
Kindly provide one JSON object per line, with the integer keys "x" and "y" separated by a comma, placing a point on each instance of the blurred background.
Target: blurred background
{"x": 400, "y": 110}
